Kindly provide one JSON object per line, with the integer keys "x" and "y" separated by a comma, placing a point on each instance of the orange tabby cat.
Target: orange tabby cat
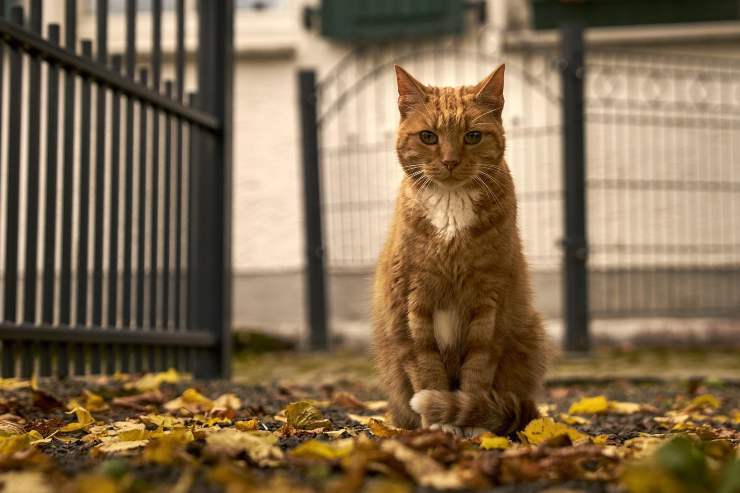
{"x": 458, "y": 343}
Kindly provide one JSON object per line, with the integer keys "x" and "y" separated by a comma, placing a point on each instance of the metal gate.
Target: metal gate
{"x": 115, "y": 188}
{"x": 625, "y": 165}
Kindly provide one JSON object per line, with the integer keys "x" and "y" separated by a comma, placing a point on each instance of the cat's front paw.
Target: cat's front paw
{"x": 473, "y": 431}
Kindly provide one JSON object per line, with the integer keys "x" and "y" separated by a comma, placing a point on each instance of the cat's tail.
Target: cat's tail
{"x": 500, "y": 412}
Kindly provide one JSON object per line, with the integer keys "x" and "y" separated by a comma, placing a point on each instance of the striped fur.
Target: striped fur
{"x": 456, "y": 338}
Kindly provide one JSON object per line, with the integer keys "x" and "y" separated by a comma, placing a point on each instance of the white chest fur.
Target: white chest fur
{"x": 450, "y": 211}
{"x": 446, "y": 328}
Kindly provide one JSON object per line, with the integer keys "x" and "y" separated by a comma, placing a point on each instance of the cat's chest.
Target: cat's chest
{"x": 450, "y": 212}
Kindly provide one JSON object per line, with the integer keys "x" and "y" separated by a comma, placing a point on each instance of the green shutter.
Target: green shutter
{"x": 378, "y": 20}
{"x": 550, "y": 14}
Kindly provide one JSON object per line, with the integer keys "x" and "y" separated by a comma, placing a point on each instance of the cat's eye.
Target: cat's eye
{"x": 472, "y": 137}
{"x": 427, "y": 137}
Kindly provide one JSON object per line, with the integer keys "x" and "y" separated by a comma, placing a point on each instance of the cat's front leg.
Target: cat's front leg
{"x": 482, "y": 351}
{"x": 427, "y": 371}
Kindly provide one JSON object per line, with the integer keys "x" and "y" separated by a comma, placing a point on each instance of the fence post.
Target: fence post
{"x": 315, "y": 289}
{"x": 210, "y": 254}
{"x": 575, "y": 306}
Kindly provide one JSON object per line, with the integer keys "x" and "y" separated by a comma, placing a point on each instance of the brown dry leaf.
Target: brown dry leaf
{"x": 84, "y": 420}
{"x": 543, "y": 429}
{"x": 364, "y": 420}
{"x": 303, "y": 415}
{"x": 139, "y": 402}
{"x": 380, "y": 429}
{"x": 14, "y": 384}
{"x": 258, "y": 445}
{"x": 8, "y": 428}
{"x": 347, "y": 400}
{"x": 425, "y": 470}
{"x": 226, "y": 404}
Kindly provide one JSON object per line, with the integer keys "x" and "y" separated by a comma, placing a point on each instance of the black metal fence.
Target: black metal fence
{"x": 625, "y": 165}
{"x": 115, "y": 187}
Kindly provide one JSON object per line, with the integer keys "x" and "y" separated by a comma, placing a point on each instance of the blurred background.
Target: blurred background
{"x": 661, "y": 106}
{"x": 624, "y": 113}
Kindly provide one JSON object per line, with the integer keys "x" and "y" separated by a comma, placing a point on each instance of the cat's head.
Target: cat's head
{"x": 450, "y": 136}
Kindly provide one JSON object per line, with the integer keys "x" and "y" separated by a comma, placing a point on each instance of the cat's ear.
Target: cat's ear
{"x": 490, "y": 91}
{"x": 410, "y": 90}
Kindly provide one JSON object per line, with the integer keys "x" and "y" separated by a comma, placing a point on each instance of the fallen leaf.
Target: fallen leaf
{"x": 590, "y": 405}
{"x": 152, "y": 381}
{"x": 347, "y": 400}
{"x": 303, "y": 415}
{"x": 258, "y": 445}
{"x": 191, "y": 400}
{"x": 364, "y": 420}
{"x": 315, "y": 449}
{"x": 425, "y": 470}
{"x": 24, "y": 482}
{"x": 569, "y": 419}
{"x": 702, "y": 402}
{"x": 84, "y": 420}
{"x": 249, "y": 425}
{"x": 139, "y": 401}
{"x": 380, "y": 429}
{"x": 494, "y": 442}
{"x": 543, "y": 429}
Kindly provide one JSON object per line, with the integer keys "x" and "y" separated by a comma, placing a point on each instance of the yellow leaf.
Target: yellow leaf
{"x": 94, "y": 402}
{"x": 704, "y": 401}
{"x": 15, "y": 443}
{"x": 249, "y": 425}
{"x": 590, "y": 405}
{"x": 303, "y": 415}
{"x": 624, "y": 407}
{"x": 152, "y": 381}
{"x": 600, "y": 439}
{"x": 190, "y": 400}
{"x": 315, "y": 449}
{"x": 736, "y": 416}
{"x": 569, "y": 419}
{"x": 14, "y": 383}
{"x": 94, "y": 483}
{"x": 494, "y": 442}
{"x": 116, "y": 447}
{"x": 543, "y": 429}
{"x": 162, "y": 421}
{"x": 84, "y": 419}
{"x": 163, "y": 449}
{"x": 133, "y": 435}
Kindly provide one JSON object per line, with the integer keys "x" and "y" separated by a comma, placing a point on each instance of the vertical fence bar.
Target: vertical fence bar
{"x": 192, "y": 142}
{"x": 138, "y": 350}
{"x": 576, "y": 311}
{"x": 52, "y": 141}
{"x": 156, "y": 79}
{"x": 12, "y": 211}
{"x": 141, "y": 246}
{"x": 101, "y": 14}
{"x": 65, "y": 282}
{"x": 115, "y": 159}
{"x": 167, "y": 214}
{"x": 33, "y": 168}
{"x": 180, "y": 78}
{"x": 128, "y": 179}
{"x": 84, "y": 193}
{"x": 211, "y": 273}
{"x": 315, "y": 289}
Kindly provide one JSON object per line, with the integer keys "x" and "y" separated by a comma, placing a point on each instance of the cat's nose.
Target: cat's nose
{"x": 450, "y": 164}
